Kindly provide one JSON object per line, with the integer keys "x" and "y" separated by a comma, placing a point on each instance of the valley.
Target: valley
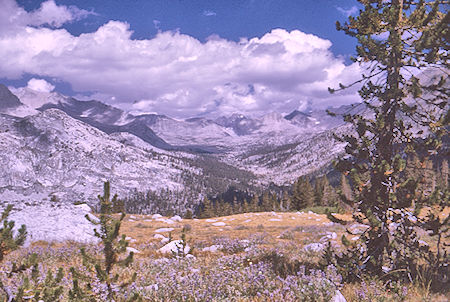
{"x": 58, "y": 147}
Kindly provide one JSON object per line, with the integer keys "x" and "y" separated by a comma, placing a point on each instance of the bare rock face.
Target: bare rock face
{"x": 52, "y": 154}
{"x": 54, "y": 146}
{"x": 54, "y": 222}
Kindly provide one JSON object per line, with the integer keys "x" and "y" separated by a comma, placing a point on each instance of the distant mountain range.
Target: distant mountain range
{"x": 54, "y": 145}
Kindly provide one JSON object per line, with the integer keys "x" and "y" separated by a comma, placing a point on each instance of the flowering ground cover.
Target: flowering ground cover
{"x": 247, "y": 257}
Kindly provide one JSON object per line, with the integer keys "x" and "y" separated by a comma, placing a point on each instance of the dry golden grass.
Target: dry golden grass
{"x": 295, "y": 229}
{"x": 241, "y": 226}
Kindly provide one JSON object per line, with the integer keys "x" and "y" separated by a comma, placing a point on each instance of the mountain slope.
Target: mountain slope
{"x": 7, "y": 99}
{"x": 68, "y": 147}
{"x": 52, "y": 153}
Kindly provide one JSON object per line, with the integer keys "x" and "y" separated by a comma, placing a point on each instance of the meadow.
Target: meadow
{"x": 265, "y": 256}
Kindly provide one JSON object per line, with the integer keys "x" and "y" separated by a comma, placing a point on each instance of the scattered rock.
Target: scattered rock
{"x": 314, "y": 247}
{"x": 84, "y": 207}
{"x": 173, "y": 246}
{"x": 130, "y": 239}
{"x": 211, "y": 220}
{"x": 338, "y": 297}
{"x": 131, "y": 249}
{"x": 213, "y": 248}
{"x": 165, "y": 220}
{"x": 156, "y": 216}
{"x": 220, "y": 223}
{"x": 274, "y": 219}
{"x": 176, "y": 218}
{"x": 164, "y": 230}
{"x": 163, "y": 238}
{"x": 328, "y": 236}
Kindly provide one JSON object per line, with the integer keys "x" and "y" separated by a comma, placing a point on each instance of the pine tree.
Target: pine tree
{"x": 48, "y": 289}
{"x": 407, "y": 114}
{"x": 208, "y": 210}
{"x": 324, "y": 193}
{"x": 245, "y": 206}
{"x": 345, "y": 192}
{"x": 226, "y": 208}
{"x": 285, "y": 203}
{"x": 303, "y": 193}
{"x": 275, "y": 203}
{"x": 107, "y": 230}
{"x": 266, "y": 203}
{"x": 254, "y": 204}
{"x": 9, "y": 242}
{"x": 319, "y": 187}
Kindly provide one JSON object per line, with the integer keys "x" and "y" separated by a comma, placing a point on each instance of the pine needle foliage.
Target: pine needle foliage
{"x": 48, "y": 289}
{"x": 403, "y": 50}
{"x": 107, "y": 229}
{"x": 8, "y": 241}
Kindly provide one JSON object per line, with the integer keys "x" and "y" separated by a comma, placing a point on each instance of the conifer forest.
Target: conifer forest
{"x": 235, "y": 208}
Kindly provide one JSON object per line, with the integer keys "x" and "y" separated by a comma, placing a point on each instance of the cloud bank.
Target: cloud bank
{"x": 173, "y": 73}
{"x": 40, "y": 85}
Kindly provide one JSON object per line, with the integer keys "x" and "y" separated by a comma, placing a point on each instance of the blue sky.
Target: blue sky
{"x": 209, "y": 52}
{"x": 230, "y": 19}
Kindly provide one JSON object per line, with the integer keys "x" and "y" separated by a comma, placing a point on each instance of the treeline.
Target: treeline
{"x": 305, "y": 192}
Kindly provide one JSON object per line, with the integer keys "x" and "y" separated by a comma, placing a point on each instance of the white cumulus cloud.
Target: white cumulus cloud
{"x": 178, "y": 75}
{"x": 40, "y": 85}
{"x": 13, "y": 17}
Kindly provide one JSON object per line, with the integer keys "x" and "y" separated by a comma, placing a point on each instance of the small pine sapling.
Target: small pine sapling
{"x": 9, "y": 242}
{"x": 182, "y": 247}
{"x": 107, "y": 230}
{"x": 38, "y": 289}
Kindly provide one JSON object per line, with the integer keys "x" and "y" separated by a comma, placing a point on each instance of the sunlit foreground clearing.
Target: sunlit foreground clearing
{"x": 247, "y": 257}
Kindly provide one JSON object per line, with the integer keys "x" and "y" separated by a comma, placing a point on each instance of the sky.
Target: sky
{"x": 182, "y": 58}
